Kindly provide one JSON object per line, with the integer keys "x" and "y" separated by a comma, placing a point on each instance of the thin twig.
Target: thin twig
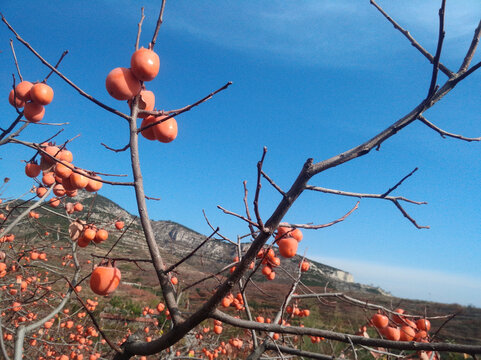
{"x": 398, "y": 183}
{"x": 414, "y": 43}
{"x": 185, "y": 258}
{"x": 472, "y": 49}
{"x": 15, "y": 59}
{"x": 142, "y": 17}
{"x": 237, "y": 215}
{"x": 273, "y": 183}
{"x": 445, "y": 133}
{"x": 170, "y": 114}
{"x": 116, "y": 150}
{"x": 308, "y": 226}
{"x": 56, "y": 65}
{"x": 157, "y": 27}
{"x": 246, "y": 205}
{"x": 437, "y": 56}
{"x": 258, "y": 190}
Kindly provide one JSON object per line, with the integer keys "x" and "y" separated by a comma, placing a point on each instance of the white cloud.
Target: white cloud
{"x": 412, "y": 283}
{"x": 332, "y": 33}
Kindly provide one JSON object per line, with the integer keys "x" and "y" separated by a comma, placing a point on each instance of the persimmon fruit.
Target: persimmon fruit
{"x": 166, "y": 131}
{"x": 33, "y": 112}
{"x": 32, "y": 170}
{"x": 407, "y": 333}
{"x": 23, "y": 90}
{"x": 423, "y": 324}
{"x": 380, "y": 321}
{"x": 121, "y": 84}
{"x": 15, "y": 101}
{"x": 104, "y": 280}
{"x": 119, "y": 225}
{"x": 288, "y": 247}
{"x": 41, "y": 94}
{"x": 145, "y": 64}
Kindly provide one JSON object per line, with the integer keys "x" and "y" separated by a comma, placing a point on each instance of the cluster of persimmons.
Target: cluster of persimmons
{"x": 32, "y": 98}
{"x": 126, "y": 83}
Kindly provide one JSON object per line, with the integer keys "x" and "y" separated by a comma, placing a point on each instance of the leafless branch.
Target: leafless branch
{"x": 246, "y": 205}
{"x": 172, "y": 113}
{"x": 237, "y": 215}
{"x": 273, "y": 183}
{"x": 307, "y": 226}
{"x": 157, "y": 27}
{"x": 414, "y": 43}
{"x": 15, "y": 59}
{"x": 142, "y": 17}
{"x": 472, "y": 49}
{"x": 437, "y": 56}
{"x": 398, "y": 183}
{"x": 445, "y": 133}
{"x": 188, "y": 256}
{"x": 56, "y": 65}
{"x": 116, "y": 150}
{"x": 258, "y": 190}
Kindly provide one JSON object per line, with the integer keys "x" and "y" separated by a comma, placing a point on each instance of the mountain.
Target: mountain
{"x": 140, "y": 284}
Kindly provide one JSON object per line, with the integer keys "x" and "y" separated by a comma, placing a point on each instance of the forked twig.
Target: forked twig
{"x": 414, "y": 43}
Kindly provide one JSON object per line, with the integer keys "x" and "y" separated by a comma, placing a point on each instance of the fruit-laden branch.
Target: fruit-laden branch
{"x": 364, "y": 304}
{"x": 356, "y": 339}
{"x": 62, "y": 76}
{"x": 85, "y": 173}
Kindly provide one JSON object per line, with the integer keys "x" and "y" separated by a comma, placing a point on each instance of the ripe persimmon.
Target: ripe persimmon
{"x": 51, "y": 150}
{"x": 63, "y": 169}
{"x": 391, "y": 333}
{"x": 48, "y": 178}
{"x": 145, "y": 64}
{"x": 33, "y": 112}
{"x": 15, "y": 101}
{"x": 407, "y": 333}
{"x": 399, "y": 320}
{"x": 305, "y": 266}
{"x": 121, "y": 84}
{"x": 54, "y": 202}
{"x": 78, "y": 181}
{"x": 94, "y": 185}
{"x": 166, "y": 131}
{"x": 380, "y": 321}
{"x": 41, "y": 94}
{"x": 284, "y": 231}
{"x": 23, "y": 90}
{"x": 287, "y": 247}
{"x": 148, "y": 133}
{"x": 104, "y": 280}
{"x": 78, "y": 207}
{"x": 65, "y": 155}
{"x": 119, "y": 225}
{"x": 101, "y": 235}
{"x": 423, "y": 324}
{"x": 32, "y": 170}
{"x": 59, "y": 190}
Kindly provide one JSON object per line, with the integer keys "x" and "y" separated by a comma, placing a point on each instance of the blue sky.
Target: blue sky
{"x": 311, "y": 79}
